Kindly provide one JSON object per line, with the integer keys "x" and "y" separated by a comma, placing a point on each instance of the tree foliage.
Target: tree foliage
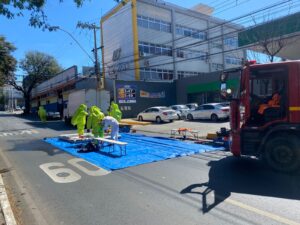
{"x": 7, "y": 61}
{"x": 37, "y": 67}
{"x": 14, "y": 8}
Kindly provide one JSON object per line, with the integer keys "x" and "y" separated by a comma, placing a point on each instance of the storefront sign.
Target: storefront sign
{"x": 126, "y": 93}
{"x": 146, "y": 94}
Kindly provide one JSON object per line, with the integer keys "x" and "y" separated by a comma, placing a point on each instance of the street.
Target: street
{"x": 207, "y": 188}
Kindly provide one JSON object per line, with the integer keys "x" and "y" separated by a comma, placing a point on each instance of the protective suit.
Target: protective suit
{"x": 42, "y": 114}
{"x": 94, "y": 121}
{"x": 79, "y": 119}
{"x": 115, "y": 111}
{"x": 111, "y": 122}
{"x": 273, "y": 103}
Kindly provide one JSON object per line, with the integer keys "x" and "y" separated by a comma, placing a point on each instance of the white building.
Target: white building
{"x": 153, "y": 40}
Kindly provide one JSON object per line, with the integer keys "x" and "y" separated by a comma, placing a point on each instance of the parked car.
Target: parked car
{"x": 53, "y": 116}
{"x": 158, "y": 114}
{"x": 212, "y": 111}
{"x": 181, "y": 110}
{"x": 18, "y": 108}
{"x": 192, "y": 106}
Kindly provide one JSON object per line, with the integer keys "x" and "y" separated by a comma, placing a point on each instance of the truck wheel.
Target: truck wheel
{"x": 282, "y": 153}
{"x": 140, "y": 118}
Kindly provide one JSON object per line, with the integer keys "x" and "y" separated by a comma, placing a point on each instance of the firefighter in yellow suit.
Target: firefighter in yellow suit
{"x": 42, "y": 114}
{"x": 79, "y": 119}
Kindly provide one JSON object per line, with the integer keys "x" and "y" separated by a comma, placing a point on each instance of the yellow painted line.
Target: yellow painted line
{"x": 295, "y": 108}
{"x": 135, "y": 40}
{"x": 261, "y": 212}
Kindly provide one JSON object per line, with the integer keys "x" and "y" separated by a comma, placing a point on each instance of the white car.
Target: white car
{"x": 212, "y": 111}
{"x": 158, "y": 114}
{"x": 181, "y": 110}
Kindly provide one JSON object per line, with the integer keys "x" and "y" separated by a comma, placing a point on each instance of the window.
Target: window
{"x": 190, "y": 32}
{"x": 233, "y": 60}
{"x": 217, "y": 66}
{"x": 182, "y": 74}
{"x": 154, "y": 24}
{"x": 231, "y": 42}
{"x": 189, "y": 54}
{"x": 148, "y": 110}
{"x": 216, "y": 44}
{"x": 156, "y": 74}
{"x": 208, "y": 107}
{"x": 154, "y": 49}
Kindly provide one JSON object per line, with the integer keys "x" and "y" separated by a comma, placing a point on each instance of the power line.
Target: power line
{"x": 219, "y": 25}
{"x": 221, "y": 52}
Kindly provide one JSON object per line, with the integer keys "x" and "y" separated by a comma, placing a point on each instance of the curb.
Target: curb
{"x": 5, "y": 205}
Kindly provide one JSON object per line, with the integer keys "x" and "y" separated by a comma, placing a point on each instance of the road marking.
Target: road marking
{"x": 16, "y": 133}
{"x": 261, "y": 212}
{"x": 5, "y": 205}
{"x": 99, "y": 172}
{"x": 60, "y": 175}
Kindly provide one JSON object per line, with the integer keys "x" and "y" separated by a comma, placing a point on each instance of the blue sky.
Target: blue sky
{"x": 66, "y": 15}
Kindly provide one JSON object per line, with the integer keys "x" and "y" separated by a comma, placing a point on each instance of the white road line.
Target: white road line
{"x": 272, "y": 216}
{"x": 5, "y": 205}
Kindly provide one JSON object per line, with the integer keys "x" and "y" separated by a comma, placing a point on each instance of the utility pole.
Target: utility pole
{"x": 93, "y": 27}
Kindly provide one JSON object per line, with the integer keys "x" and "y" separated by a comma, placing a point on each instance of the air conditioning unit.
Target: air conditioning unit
{"x": 146, "y": 63}
{"x": 142, "y": 54}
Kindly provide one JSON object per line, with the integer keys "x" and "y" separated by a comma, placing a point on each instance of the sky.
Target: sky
{"x": 66, "y": 15}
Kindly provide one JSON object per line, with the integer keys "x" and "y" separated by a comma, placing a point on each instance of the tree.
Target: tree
{"x": 12, "y": 8}
{"x": 37, "y": 67}
{"x": 7, "y": 61}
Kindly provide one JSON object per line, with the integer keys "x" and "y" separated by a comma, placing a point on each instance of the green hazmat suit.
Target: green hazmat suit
{"x": 42, "y": 114}
{"x": 79, "y": 119}
{"x": 115, "y": 112}
{"x": 94, "y": 121}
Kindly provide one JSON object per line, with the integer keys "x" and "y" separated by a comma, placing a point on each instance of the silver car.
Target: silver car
{"x": 212, "y": 111}
{"x": 192, "y": 106}
{"x": 157, "y": 114}
{"x": 181, "y": 110}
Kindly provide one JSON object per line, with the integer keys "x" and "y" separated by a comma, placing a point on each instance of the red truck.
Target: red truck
{"x": 265, "y": 112}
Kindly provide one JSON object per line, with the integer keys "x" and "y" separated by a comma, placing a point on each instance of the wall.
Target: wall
{"x": 117, "y": 34}
{"x": 155, "y": 94}
{"x": 205, "y": 83}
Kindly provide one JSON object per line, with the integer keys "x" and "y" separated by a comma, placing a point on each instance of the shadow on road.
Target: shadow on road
{"x": 54, "y": 125}
{"x": 247, "y": 176}
{"x": 33, "y": 146}
{"x": 34, "y": 121}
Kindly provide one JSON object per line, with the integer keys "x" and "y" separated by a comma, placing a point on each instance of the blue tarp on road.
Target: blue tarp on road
{"x": 140, "y": 150}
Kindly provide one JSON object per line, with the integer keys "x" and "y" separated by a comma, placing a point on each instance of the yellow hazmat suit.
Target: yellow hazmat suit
{"x": 115, "y": 112}
{"x": 94, "y": 121}
{"x": 42, "y": 114}
{"x": 79, "y": 119}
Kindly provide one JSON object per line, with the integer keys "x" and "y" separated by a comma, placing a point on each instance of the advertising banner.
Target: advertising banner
{"x": 126, "y": 93}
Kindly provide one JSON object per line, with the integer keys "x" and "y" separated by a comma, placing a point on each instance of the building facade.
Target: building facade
{"x": 152, "y": 40}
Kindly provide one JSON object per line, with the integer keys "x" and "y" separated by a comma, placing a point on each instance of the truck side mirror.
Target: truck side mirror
{"x": 226, "y": 93}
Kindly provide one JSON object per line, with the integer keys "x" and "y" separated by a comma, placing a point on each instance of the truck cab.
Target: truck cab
{"x": 265, "y": 113}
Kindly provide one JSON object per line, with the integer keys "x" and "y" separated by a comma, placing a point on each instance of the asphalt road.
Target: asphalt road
{"x": 209, "y": 188}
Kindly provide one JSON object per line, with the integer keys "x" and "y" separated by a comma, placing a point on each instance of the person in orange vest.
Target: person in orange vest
{"x": 273, "y": 103}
